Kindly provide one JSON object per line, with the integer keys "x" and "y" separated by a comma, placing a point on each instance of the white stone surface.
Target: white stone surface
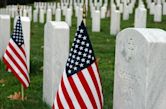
{"x": 68, "y": 16}
{"x": 35, "y": 16}
{"x": 125, "y": 12}
{"x": 96, "y": 21}
{"x": 79, "y": 18}
{"x": 140, "y": 18}
{"x": 58, "y": 14}
{"x": 140, "y": 73}
{"x": 49, "y": 15}
{"x": 115, "y": 22}
{"x": 164, "y": 8}
{"x": 103, "y": 12}
{"x": 158, "y": 13}
{"x": 41, "y": 18}
{"x": 56, "y": 48}
{"x": 4, "y": 33}
{"x": 24, "y": 12}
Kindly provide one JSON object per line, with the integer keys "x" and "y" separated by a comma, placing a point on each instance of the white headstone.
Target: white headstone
{"x": 49, "y": 15}
{"x": 35, "y": 16}
{"x": 103, "y": 11}
{"x": 164, "y": 8}
{"x": 96, "y": 21}
{"x": 24, "y": 12}
{"x": 79, "y": 18}
{"x": 125, "y": 12}
{"x": 140, "y": 18}
{"x": 41, "y": 16}
{"x": 56, "y": 48}
{"x": 68, "y": 16}
{"x": 58, "y": 14}
{"x": 140, "y": 73}
{"x": 115, "y": 22}
{"x": 158, "y": 13}
{"x": 4, "y": 33}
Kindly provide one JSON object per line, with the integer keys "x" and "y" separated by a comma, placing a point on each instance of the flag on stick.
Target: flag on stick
{"x": 15, "y": 56}
{"x": 80, "y": 86}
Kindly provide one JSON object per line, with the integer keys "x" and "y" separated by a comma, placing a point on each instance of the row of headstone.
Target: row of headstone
{"x": 12, "y": 10}
{"x": 5, "y": 34}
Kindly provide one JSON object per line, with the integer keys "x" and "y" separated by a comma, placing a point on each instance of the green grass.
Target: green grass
{"x": 104, "y": 47}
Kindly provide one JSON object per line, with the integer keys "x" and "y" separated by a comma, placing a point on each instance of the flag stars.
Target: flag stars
{"x": 90, "y": 51}
{"x": 78, "y": 58}
{"x": 87, "y": 45}
{"x": 69, "y": 71}
{"x": 81, "y": 48}
{"x": 86, "y": 50}
{"x": 75, "y": 68}
{"x": 81, "y": 65}
{"x": 78, "y": 41}
{"x": 79, "y": 36}
{"x": 83, "y": 43}
{"x": 81, "y": 30}
{"x": 76, "y": 46}
{"x": 84, "y": 55}
{"x": 75, "y": 51}
{"x": 83, "y": 60}
{"x": 79, "y": 53}
{"x": 88, "y": 61}
{"x": 84, "y": 38}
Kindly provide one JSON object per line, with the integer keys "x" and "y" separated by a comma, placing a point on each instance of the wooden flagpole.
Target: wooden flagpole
{"x": 22, "y": 87}
{"x": 84, "y": 13}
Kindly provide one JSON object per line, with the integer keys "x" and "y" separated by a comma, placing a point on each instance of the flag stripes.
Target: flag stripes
{"x": 85, "y": 89}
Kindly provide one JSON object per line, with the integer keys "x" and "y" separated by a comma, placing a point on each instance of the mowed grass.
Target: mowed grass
{"x": 104, "y": 47}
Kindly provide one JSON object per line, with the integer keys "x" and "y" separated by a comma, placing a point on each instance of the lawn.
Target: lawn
{"x": 104, "y": 47}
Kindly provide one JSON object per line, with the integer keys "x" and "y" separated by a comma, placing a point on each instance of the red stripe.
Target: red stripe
{"x": 53, "y": 107}
{"x": 17, "y": 54}
{"x": 59, "y": 102}
{"x": 66, "y": 95}
{"x": 95, "y": 83}
{"x": 13, "y": 71}
{"x": 77, "y": 93}
{"x": 98, "y": 72}
{"x": 23, "y": 50}
{"x": 87, "y": 89}
{"x": 18, "y": 66}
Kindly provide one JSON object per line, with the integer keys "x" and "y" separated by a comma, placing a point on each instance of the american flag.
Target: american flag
{"x": 80, "y": 86}
{"x": 15, "y": 56}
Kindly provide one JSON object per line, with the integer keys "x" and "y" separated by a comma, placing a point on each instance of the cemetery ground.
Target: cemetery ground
{"x": 104, "y": 47}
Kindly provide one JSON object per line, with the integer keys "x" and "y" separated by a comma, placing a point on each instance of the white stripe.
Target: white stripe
{"x": 91, "y": 86}
{"x": 94, "y": 67}
{"x": 82, "y": 91}
{"x": 18, "y": 49}
{"x": 70, "y": 92}
{"x": 18, "y": 61}
{"x": 56, "y": 104}
{"x": 16, "y": 70}
{"x": 62, "y": 98}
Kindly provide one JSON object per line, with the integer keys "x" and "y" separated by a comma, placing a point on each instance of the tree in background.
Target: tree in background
{"x": 3, "y": 3}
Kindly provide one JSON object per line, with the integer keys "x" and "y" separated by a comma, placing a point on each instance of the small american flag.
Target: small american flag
{"x": 15, "y": 56}
{"x": 80, "y": 86}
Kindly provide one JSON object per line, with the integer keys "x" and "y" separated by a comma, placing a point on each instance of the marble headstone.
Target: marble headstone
{"x": 56, "y": 48}
{"x": 140, "y": 74}
{"x": 4, "y": 33}
{"x": 115, "y": 22}
{"x": 96, "y": 21}
{"x": 140, "y": 17}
